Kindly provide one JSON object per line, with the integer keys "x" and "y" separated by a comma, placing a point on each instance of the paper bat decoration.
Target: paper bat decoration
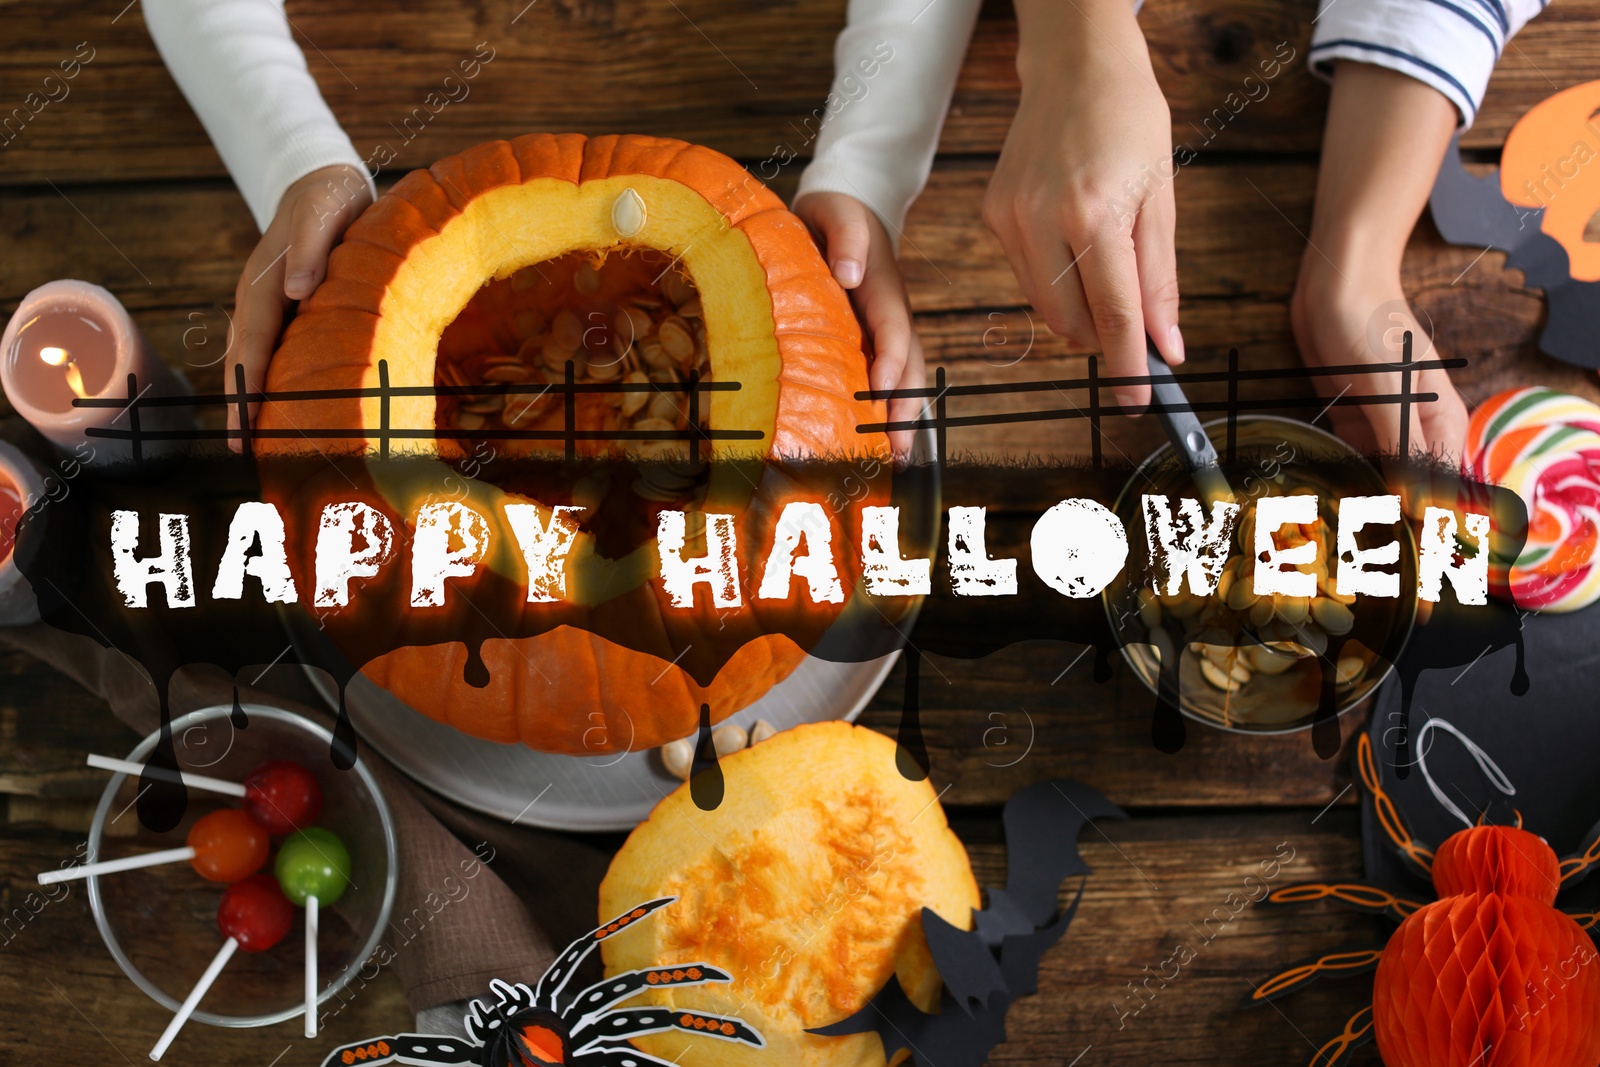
{"x": 985, "y": 969}
{"x": 1536, "y": 210}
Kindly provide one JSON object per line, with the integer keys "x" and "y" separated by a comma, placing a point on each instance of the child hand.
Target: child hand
{"x": 862, "y": 260}
{"x": 1362, "y": 317}
{"x": 287, "y": 265}
{"x": 1385, "y": 136}
{"x": 1082, "y": 198}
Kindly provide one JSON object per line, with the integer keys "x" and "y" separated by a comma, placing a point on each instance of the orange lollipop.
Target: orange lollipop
{"x": 223, "y": 846}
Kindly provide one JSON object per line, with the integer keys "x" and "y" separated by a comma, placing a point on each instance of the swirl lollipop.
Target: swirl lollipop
{"x": 1545, "y": 447}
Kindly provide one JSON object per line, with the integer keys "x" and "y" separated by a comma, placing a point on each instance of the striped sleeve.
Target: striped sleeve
{"x": 1451, "y": 45}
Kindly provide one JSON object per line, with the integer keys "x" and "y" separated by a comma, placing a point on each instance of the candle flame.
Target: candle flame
{"x": 75, "y": 381}
{"x": 57, "y": 356}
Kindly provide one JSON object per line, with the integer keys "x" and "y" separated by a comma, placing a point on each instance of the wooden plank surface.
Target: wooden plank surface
{"x": 701, "y": 70}
{"x": 1158, "y": 883}
{"x": 117, "y": 182}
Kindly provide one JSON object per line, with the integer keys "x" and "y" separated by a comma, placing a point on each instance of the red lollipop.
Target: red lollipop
{"x": 282, "y": 797}
{"x": 254, "y": 915}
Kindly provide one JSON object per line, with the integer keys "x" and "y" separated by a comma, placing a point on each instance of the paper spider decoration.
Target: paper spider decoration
{"x": 988, "y": 967}
{"x": 539, "y": 1027}
{"x": 1490, "y": 974}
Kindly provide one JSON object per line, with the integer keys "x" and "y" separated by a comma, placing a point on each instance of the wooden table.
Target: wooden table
{"x": 118, "y": 184}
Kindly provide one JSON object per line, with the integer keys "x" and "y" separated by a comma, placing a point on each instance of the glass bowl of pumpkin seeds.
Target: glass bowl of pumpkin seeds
{"x": 1255, "y": 663}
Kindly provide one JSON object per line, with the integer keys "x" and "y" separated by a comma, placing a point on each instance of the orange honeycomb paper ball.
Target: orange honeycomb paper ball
{"x": 1490, "y": 974}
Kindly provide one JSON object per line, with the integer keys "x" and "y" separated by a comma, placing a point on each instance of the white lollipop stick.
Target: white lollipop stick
{"x": 192, "y": 1001}
{"x": 197, "y": 781}
{"x": 311, "y": 966}
{"x": 127, "y": 863}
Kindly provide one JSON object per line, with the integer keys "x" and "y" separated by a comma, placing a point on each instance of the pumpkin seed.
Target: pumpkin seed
{"x": 1349, "y": 669}
{"x": 633, "y": 324}
{"x": 605, "y": 370}
{"x": 691, "y": 308}
{"x": 567, "y": 329}
{"x": 1217, "y": 677}
{"x": 486, "y": 405}
{"x": 678, "y": 757}
{"x": 505, "y": 373}
{"x": 526, "y": 323}
{"x": 668, "y": 408}
{"x": 628, "y": 213}
{"x": 761, "y": 731}
{"x": 525, "y": 279}
{"x": 586, "y": 279}
{"x": 1293, "y": 609}
{"x": 655, "y": 425}
{"x": 1242, "y": 594}
{"x": 676, "y": 288}
{"x": 469, "y": 420}
{"x": 729, "y": 738}
{"x": 1265, "y": 661}
{"x": 554, "y": 355}
{"x": 633, "y": 402}
{"x": 1261, "y": 612}
{"x": 677, "y": 340}
{"x": 1332, "y": 616}
{"x": 655, "y": 356}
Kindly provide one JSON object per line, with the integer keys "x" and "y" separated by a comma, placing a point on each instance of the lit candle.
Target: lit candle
{"x": 21, "y": 484}
{"x": 70, "y": 340}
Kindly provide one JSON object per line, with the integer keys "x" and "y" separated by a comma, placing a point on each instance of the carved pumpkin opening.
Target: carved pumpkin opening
{"x": 630, "y": 315}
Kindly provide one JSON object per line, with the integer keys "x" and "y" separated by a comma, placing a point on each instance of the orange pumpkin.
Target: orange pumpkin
{"x": 430, "y": 274}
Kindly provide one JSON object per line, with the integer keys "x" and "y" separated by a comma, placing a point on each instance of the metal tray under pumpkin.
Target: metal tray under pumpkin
{"x": 612, "y": 792}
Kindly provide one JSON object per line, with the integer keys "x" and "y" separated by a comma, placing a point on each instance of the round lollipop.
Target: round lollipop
{"x": 1545, "y": 447}
{"x": 223, "y": 846}
{"x": 282, "y": 795}
{"x": 254, "y": 915}
{"x": 314, "y": 869}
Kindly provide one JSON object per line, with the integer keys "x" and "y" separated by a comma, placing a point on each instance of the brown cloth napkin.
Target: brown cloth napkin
{"x": 449, "y": 953}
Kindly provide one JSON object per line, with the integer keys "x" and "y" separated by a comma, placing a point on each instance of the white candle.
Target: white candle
{"x": 73, "y": 339}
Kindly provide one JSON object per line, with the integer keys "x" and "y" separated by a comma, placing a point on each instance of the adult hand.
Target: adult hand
{"x": 862, "y": 260}
{"x": 287, "y": 265}
{"x": 1082, "y": 198}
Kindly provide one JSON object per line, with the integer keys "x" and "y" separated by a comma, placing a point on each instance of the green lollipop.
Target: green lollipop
{"x": 313, "y": 863}
{"x": 314, "y": 869}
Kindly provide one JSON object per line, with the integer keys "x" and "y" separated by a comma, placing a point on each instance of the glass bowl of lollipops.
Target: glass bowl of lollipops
{"x": 1256, "y": 664}
{"x": 239, "y": 891}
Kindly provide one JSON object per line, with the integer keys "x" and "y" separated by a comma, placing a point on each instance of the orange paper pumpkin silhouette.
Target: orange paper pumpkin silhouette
{"x": 1547, "y": 164}
{"x": 1536, "y": 211}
